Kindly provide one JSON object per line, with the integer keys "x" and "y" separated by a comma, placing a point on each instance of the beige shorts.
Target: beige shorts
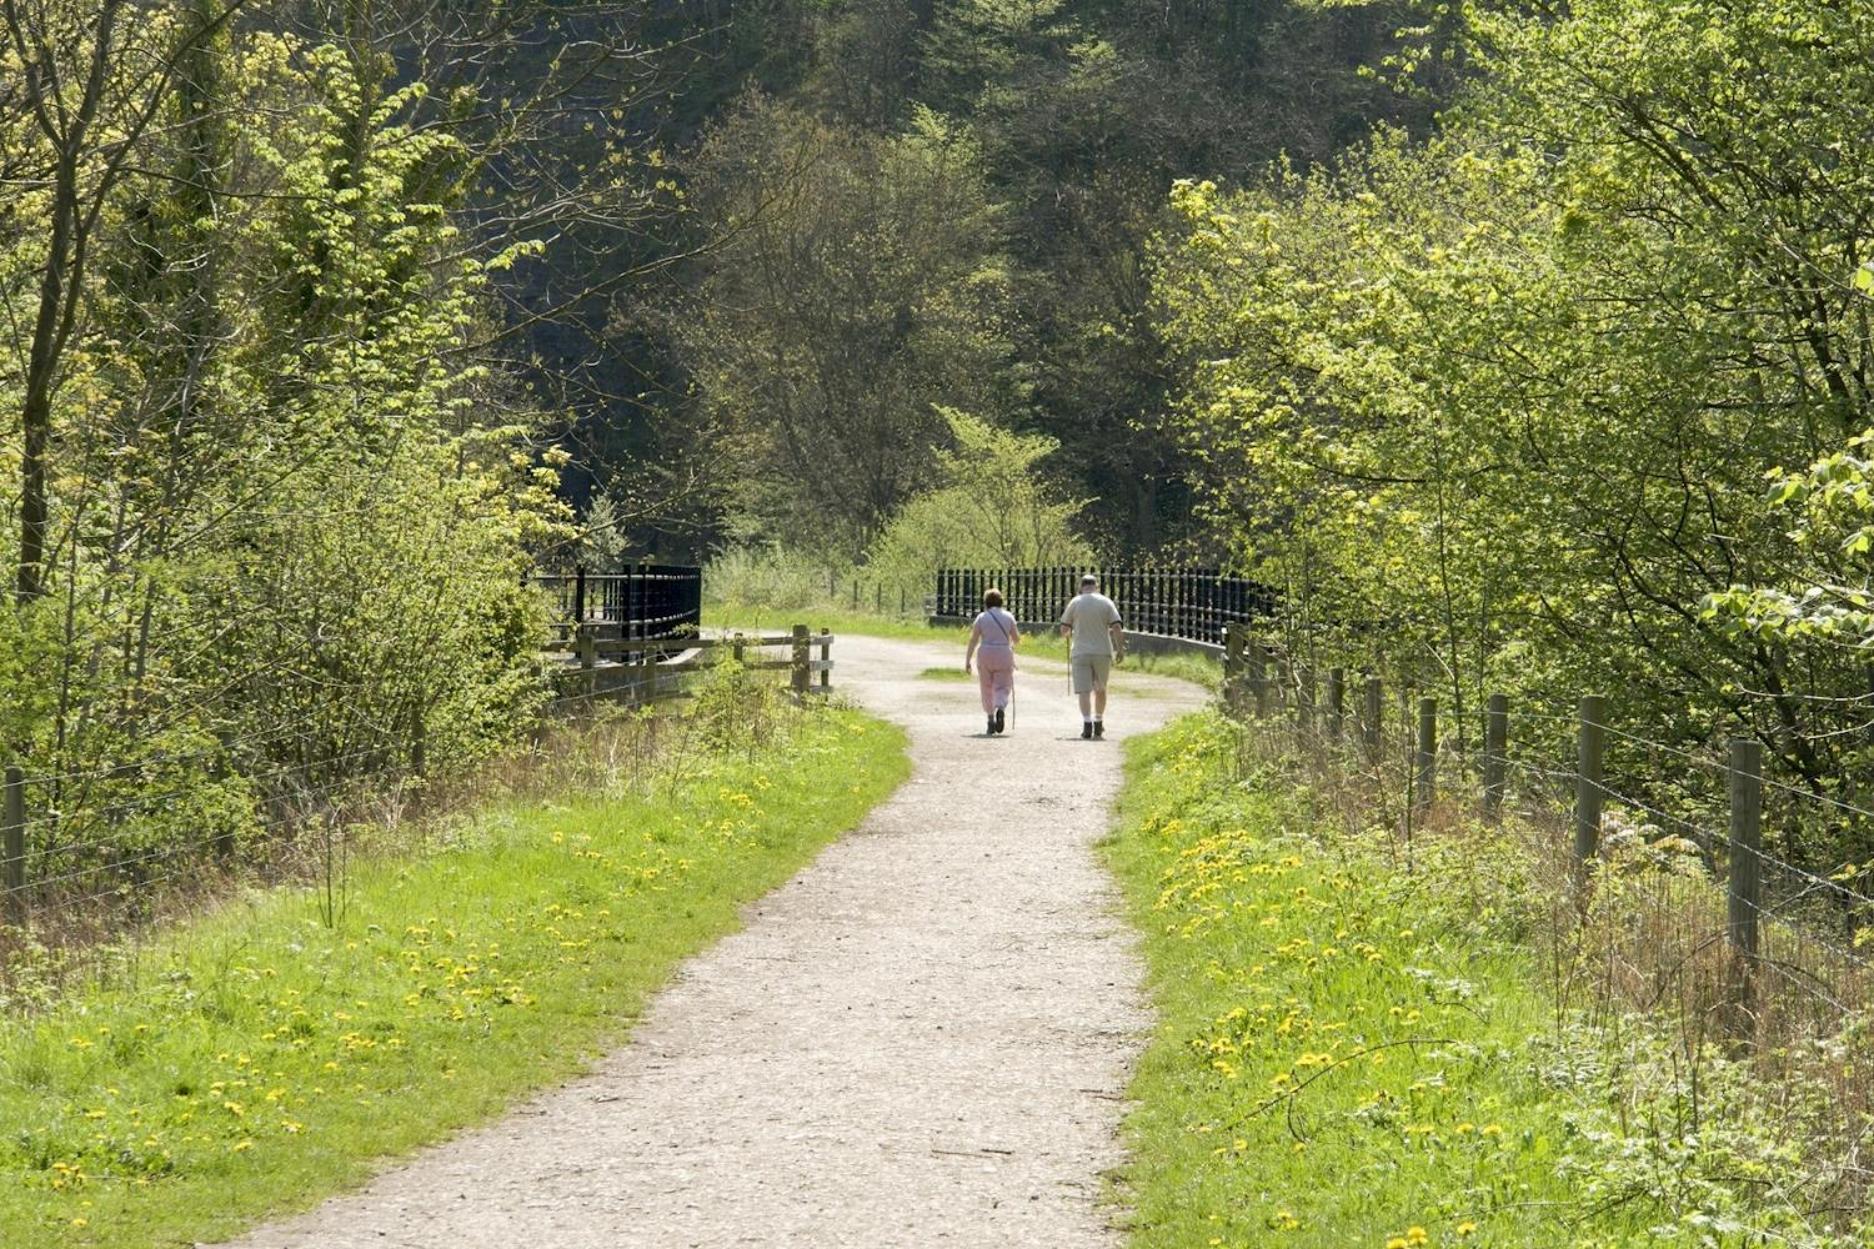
{"x": 1091, "y": 672}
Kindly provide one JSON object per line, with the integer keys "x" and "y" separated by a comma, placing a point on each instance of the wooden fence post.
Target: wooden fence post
{"x": 1336, "y": 703}
{"x": 1426, "y": 790}
{"x": 1304, "y": 700}
{"x": 737, "y": 649}
{"x": 1590, "y": 751}
{"x": 222, "y": 842}
{"x": 589, "y": 658}
{"x": 802, "y": 673}
{"x": 1744, "y": 886}
{"x": 419, "y": 744}
{"x": 15, "y": 836}
{"x": 1259, "y": 677}
{"x": 826, "y": 660}
{"x": 1370, "y": 719}
{"x": 1496, "y": 754}
{"x": 1234, "y": 643}
{"x": 579, "y": 594}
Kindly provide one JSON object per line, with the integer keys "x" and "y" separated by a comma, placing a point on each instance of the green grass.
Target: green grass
{"x": 1356, "y": 1054}
{"x": 260, "y": 1059}
{"x": 945, "y": 674}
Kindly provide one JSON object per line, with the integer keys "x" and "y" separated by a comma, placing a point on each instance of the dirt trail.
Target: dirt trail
{"x": 921, "y": 1040}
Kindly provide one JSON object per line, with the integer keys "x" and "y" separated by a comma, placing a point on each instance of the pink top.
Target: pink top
{"x": 997, "y": 628}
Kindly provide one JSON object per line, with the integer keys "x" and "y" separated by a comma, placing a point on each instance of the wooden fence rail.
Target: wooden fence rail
{"x": 648, "y": 669}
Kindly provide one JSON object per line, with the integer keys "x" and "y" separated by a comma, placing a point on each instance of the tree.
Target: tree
{"x": 990, "y": 507}
{"x": 860, "y": 283}
{"x": 1504, "y": 403}
{"x": 93, "y": 78}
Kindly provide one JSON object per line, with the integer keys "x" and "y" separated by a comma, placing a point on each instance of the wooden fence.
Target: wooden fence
{"x": 598, "y": 664}
{"x": 1193, "y": 604}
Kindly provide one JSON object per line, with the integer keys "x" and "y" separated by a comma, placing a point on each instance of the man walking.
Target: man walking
{"x": 1092, "y": 621}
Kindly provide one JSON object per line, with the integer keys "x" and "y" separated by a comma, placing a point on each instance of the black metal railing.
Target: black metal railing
{"x": 647, "y": 601}
{"x": 1190, "y": 603}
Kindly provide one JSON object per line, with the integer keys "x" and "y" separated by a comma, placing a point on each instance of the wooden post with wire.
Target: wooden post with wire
{"x": 222, "y": 841}
{"x": 588, "y": 658}
{"x": 1496, "y": 754}
{"x": 1304, "y": 701}
{"x": 1336, "y": 703}
{"x": 1259, "y": 677}
{"x": 419, "y": 744}
{"x": 1371, "y": 712}
{"x": 1590, "y": 752}
{"x": 802, "y": 667}
{"x": 1235, "y": 641}
{"x": 826, "y": 661}
{"x": 646, "y": 676}
{"x": 1425, "y": 791}
{"x": 14, "y": 826}
{"x": 1744, "y": 885}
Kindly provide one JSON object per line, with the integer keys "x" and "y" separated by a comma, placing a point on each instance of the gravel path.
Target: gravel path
{"x": 923, "y": 1039}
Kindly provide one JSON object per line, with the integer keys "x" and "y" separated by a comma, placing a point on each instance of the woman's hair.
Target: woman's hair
{"x": 992, "y": 598}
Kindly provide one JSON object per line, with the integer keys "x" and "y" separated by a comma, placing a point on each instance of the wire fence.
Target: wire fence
{"x": 92, "y": 853}
{"x": 1679, "y": 882}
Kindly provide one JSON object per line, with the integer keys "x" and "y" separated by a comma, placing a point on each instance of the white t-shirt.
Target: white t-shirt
{"x": 1091, "y": 614}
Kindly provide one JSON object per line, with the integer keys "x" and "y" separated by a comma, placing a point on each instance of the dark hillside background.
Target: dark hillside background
{"x": 1077, "y": 118}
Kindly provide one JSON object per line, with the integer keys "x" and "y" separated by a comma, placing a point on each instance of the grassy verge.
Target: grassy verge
{"x": 270, "y": 1054}
{"x": 945, "y": 674}
{"x": 1358, "y": 1048}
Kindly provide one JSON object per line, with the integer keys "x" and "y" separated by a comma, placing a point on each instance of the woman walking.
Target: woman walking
{"x": 993, "y": 638}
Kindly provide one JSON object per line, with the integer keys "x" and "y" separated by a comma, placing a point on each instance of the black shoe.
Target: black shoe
{"x": 1086, "y": 729}
{"x": 1099, "y": 728}
{"x": 998, "y": 719}
{"x": 991, "y": 731}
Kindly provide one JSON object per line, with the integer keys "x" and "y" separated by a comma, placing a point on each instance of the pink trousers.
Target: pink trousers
{"x": 995, "y": 676}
